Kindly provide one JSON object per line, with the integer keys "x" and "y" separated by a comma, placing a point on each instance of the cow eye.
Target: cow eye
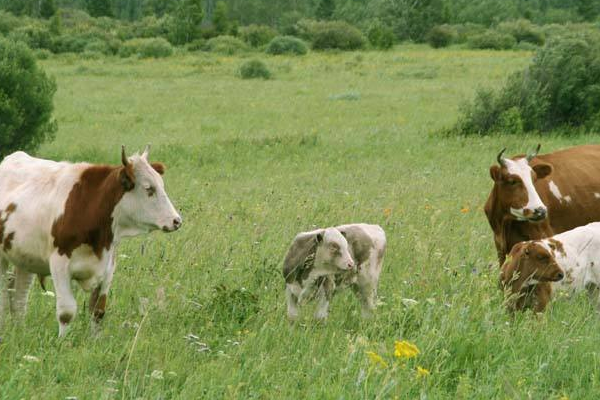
{"x": 542, "y": 257}
{"x": 150, "y": 190}
{"x": 512, "y": 182}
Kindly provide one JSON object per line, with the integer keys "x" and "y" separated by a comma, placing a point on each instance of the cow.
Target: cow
{"x": 537, "y": 196}
{"x": 66, "y": 220}
{"x": 320, "y": 262}
{"x": 567, "y": 261}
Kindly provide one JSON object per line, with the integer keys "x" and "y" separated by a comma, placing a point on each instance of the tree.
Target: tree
{"x": 325, "y": 9}
{"x": 47, "y": 8}
{"x": 186, "y": 21}
{"x": 219, "y": 18}
{"x": 55, "y": 26}
{"x": 99, "y": 8}
{"x": 587, "y": 9}
{"x": 26, "y": 94}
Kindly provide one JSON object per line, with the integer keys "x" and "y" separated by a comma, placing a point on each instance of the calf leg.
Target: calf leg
{"x": 18, "y": 304}
{"x": 366, "y": 291}
{"x": 324, "y": 295}
{"x": 66, "y": 307}
{"x": 4, "y": 296}
{"x": 292, "y": 303}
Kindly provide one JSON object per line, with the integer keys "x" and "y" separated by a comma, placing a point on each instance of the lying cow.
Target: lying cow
{"x": 537, "y": 196}
{"x": 323, "y": 260}
{"x": 569, "y": 261}
{"x": 66, "y": 220}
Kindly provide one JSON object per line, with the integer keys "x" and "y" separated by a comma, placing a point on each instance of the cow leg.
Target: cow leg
{"x": 97, "y": 306}
{"x": 324, "y": 295}
{"x": 66, "y": 307}
{"x": 18, "y": 304}
{"x": 4, "y": 296}
{"x": 292, "y": 303}
{"x": 366, "y": 291}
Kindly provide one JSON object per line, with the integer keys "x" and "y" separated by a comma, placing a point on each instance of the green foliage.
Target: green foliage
{"x": 185, "y": 24}
{"x": 225, "y": 44}
{"x": 559, "y": 89}
{"x": 380, "y": 36}
{"x": 220, "y": 18}
{"x": 331, "y": 35}
{"x": 26, "y": 95}
{"x": 55, "y": 25}
{"x": 492, "y": 39}
{"x": 99, "y": 8}
{"x": 146, "y": 48}
{"x": 232, "y": 305}
{"x": 412, "y": 20}
{"x": 286, "y": 45}
{"x": 34, "y": 36}
{"x": 47, "y": 8}
{"x": 523, "y": 31}
{"x": 8, "y": 22}
{"x": 257, "y": 35}
{"x": 325, "y": 9}
{"x": 253, "y": 69}
{"x": 441, "y": 36}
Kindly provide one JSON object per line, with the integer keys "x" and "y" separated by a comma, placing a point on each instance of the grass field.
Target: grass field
{"x": 333, "y": 138}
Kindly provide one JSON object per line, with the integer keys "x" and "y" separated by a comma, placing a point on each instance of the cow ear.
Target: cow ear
{"x": 542, "y": 170}
{"x": 126, "y": 178}
{"x": 495, "y": 173}
{"x": 344, "y": 234}
{"x": 319, "y": 237}
{"x": 158, "y": 167}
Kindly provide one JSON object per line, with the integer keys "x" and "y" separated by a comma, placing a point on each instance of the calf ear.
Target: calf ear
{"x": 158, "y": 167}
{"x": 126, "y": 178}
{"x": 344, "y": 234}
{"x": 542, "y": 170}
{"x": 495, "y": 173}
{"x": 319, "y": 237}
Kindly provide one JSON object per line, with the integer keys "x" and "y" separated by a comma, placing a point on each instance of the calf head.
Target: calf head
{"x": 529, "y": 269}
{"x": 145, "y": 205}
{"x": 514, "y": 187}
{"x": 332, "y": 251}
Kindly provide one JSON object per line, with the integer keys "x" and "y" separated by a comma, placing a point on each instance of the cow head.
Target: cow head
{"x": 145, "y": 205}
{"x": 332, "y": 251}
{"x": 514, "y": 187}
{"x": 529, "y": 263}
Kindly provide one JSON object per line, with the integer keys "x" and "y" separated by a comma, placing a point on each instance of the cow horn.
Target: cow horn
{"x": 146, "y": 151}
{"x": 531, "y": 155}
{"x": 124, "y": 159}
{"x": 499, "y": 158}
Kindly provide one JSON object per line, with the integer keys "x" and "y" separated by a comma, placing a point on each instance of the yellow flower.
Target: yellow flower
{"x": 422, "y": 372}
{"x": 376, "y": 359}
{"x": 564, "y": 397}
{"x": 464, "y": 210}
{"x": 387, "y": 212}
{"x": 404, "y": 349}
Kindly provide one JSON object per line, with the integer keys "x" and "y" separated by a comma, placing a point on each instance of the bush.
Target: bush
{"x": 257, "y": 35}
{"x": 42, "y": 54}
{"x": 97, "y": 46}
{"x": 8, "y": 22}
{"x": 26, "y": 95}
{"x": 466, "y": 30}
{"x": 253, "y": 69}
{"x": 286, "y": 45}
{"x": 196, "y": 45}
{"x": 332, "y": 35}
{"x": 225, "y": 45}
{"x": 146, "y": 48}
{"x": 35, "y": 37}
{"x": 441, "y": 36}
{"x": 492, "y": 40}
{"x": 523, "y": 31}
{"x": 560, "y": 89}
{"x": 381, "y": 36}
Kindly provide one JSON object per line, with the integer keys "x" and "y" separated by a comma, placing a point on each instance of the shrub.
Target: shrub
{"x": 97, "y": 46}
{"x": 466, "y": 30}
{"x": 8, "y": 22}
{"x": 492, "y": 40}
{"x": 34, "y": 36}
{"x": 26, "y": 95}
{"x": 381, "y": 36}
{"x": 225, "y": 45}
{"x": 523, "y": 31}
{"x": 253, "y": 69}
{"x": 146, "y": 48}
{"x": 68, "y": 43}
{"x": 559, "y": 89}
{"x": 196, "y": 45}
{"x": 257, "y": 35}
{"x": 286, "y": 45}
{"x": 332, "y": 35}
{"x": 441, "y": 36}
{"x": 42, "y": 54}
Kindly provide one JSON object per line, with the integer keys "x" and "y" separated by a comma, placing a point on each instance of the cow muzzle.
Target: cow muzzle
{"x": 174, "y": 225}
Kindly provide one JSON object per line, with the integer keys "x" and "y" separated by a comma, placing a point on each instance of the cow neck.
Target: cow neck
{"x": 300, "y": 273}
{"x": 88, "y": 214}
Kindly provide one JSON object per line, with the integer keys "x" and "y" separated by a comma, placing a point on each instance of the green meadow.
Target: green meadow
{"x": 333, "y": 138}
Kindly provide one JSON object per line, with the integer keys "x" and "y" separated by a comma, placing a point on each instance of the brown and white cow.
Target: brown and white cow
{"x": 537, "y": 196}
{"x": 66, "y": 220}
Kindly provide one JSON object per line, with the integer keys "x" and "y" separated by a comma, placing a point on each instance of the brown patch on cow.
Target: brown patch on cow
{"x": 6, "y": 240}
{"x": 557, "y": 246}
{"x": 87, "y": 218}
{"x": 11, "y": 208}
{"x": 42, "y": 280}
{"x": 65, "y": 318}
{"x": 97, "y": 305}
{"x": 158, "y": 167}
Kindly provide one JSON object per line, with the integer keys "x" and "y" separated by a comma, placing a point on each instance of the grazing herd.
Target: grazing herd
{"x": 66, "y": 220}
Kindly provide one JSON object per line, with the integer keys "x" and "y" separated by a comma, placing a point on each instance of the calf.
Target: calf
{"x": 66, "y": 220}
{"x": 324, "y": 260}
{"x": 569, "y": 260}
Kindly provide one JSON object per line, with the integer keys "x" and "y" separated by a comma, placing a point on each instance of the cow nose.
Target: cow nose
{"x": 559, "y": 276}
{"x": 177, "y": 223}
{"x": 540, "y": 212}
{"x": 350, "y": 265}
